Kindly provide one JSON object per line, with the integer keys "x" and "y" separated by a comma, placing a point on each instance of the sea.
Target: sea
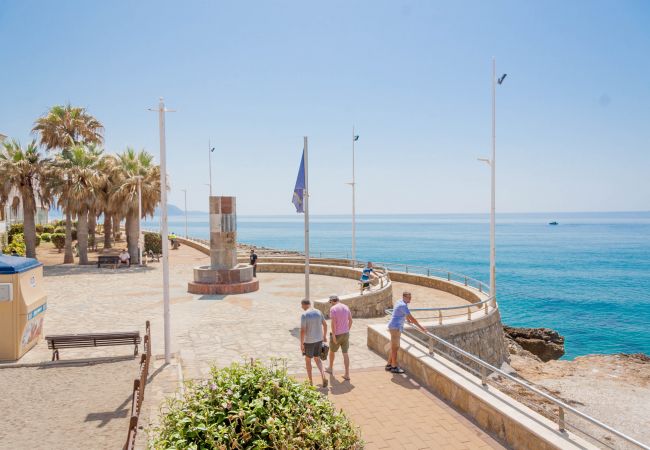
{"x": 587, "y": 277}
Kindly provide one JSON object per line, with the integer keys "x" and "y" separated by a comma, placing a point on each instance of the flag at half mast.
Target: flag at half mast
{"x": 299, "y": 190}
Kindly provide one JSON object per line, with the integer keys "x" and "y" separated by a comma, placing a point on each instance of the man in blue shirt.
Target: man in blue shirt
{"x": 366, "y": 276}
{"x": 401, "y": 314}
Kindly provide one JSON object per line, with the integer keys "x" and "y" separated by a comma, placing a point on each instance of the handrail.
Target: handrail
{"x": 482, "y": 305}
{"x": 561, "y": 405}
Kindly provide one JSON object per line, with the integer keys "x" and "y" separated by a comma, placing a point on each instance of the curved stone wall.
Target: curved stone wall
{"x": 371, "y": 304}
{"x": 482, "y": 337}
{"x": 457, "y": 289}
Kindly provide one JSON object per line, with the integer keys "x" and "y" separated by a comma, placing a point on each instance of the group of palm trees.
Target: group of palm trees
{"x": 66, "y": 166}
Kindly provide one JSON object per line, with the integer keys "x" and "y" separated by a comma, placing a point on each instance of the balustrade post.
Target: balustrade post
{"x": 448, "y": 276}
{"x": 431, "y": 346}
{"x": 560, "y": 419}
{"x": 428, "y": 272}
{"x": 469, "y": 313}
{"x": 483, "y": 376}
{"x": 465, "y": 281}
{"x": 440, "y": 317}
{"x": 486, "y": 309}
{"x": 407, "y": 268}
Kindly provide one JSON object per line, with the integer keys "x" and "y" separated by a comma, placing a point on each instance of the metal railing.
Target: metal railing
{"x": 139, "y": 385}
{"x": 484, "y": 307}
{"x": 562, "y": 407}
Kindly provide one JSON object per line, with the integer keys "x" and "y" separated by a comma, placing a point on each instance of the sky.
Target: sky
{"x": 412, "y": 77}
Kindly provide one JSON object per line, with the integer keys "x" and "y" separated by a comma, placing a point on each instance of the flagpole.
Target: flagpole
{"x": 306, "y": 208}
{"x": 354, "y": 224}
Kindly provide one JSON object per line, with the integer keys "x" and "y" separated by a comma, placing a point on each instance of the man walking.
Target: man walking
{"x": 313, "y": 332}
{"x": 401, "y": 313}
{"x": 253, "y": 260}
{"x": 340, "y": 336}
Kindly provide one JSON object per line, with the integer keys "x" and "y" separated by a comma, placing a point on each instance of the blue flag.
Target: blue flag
{"x": 299, "y": 190}
{"x": 356, "y": 137}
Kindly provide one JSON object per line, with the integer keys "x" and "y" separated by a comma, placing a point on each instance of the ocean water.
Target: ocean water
{"x": 588, "y": 277}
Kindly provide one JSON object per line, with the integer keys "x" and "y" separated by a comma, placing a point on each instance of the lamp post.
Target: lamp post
{"x": 354, "y": 218}
{"x": 140, "y": 219}
{"x": 185, "y": 192}
{"x": 210, "y": 150}
{"x": 163, "y": 222}
{"x": 492, "y": 163}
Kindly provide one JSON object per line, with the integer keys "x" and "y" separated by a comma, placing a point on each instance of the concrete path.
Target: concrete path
{"x": 218, "y": 330}
{"x": 394, "y": 412}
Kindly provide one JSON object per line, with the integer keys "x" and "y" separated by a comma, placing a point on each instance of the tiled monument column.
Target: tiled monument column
{"x": 224, "y": 275}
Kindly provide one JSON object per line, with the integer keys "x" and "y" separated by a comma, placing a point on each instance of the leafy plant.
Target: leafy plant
{"x": 58, "y": 239}
{"x": 17, "y": 245}
{"x": 46, "y": 237}
{"x": 16, "y": 228}
{"x": 253, "y": 406}
{"x": 153, "y": 242}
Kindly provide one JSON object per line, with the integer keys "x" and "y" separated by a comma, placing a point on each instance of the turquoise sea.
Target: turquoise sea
{"x": 588, "y": 277}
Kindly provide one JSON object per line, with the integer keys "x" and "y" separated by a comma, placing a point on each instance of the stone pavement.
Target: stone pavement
{"x": 394, "y": 412}
{"x": 211, "y": 330}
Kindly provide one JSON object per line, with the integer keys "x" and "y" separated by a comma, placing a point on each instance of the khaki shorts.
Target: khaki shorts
{"x": 342, "y": 341}
{"x": 394, "y": 338}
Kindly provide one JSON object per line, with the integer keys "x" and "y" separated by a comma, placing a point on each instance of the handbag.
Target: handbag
{"x": 324, "y": 350}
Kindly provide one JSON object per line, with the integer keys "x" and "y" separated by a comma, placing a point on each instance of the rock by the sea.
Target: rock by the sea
{"x": 544, "y": 343}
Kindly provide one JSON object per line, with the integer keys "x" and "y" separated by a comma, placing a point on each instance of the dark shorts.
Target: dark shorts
{"x": 312, "y": 350}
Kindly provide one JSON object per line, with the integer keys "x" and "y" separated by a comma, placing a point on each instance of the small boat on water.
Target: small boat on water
{"x": 553, "y": 223}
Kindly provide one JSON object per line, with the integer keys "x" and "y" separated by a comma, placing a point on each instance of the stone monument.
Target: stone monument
{"x": 224, "y": 275}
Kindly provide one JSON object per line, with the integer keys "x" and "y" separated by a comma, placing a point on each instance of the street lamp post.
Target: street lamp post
{"x": 163, "y": 222}
{"x": 185, "y": 192}
{"x": 140, "y": 219}
{"x": 492, "y": 163}
{"x": 354, "y": 215}
{"x": 210, "y": 150}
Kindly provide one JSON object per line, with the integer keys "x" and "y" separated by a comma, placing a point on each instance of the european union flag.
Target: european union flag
{"x": 299, "y": 190}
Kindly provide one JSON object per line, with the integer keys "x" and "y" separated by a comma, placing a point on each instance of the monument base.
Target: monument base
{"x": 222, "y": 288}
{"x": 209, "y": 281}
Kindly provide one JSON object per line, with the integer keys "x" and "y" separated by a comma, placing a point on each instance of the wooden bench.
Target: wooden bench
{"x": 108, "y": 259}
{"x": 56, "y": 342}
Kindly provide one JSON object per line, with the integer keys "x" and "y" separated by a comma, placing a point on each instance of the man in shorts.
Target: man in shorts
{"x": 401, "y": 313}
{"x": 125, "y": 258}
{"x": 340, "y": 336}
{"x": 313, "y": 333}
{"x": 367, "y": 276}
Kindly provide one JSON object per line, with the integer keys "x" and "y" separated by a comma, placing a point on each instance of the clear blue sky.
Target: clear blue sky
{"x": 414, "y": 77}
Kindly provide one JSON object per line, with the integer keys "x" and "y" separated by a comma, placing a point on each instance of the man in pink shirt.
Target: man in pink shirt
{"x": 340, "y": 335}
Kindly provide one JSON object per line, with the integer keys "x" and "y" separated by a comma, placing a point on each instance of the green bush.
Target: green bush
{"x": 38, "y": 240}
{"x": 17, "y": 244}
{"x": 46, "y": 237}
{"x": 16, "y": 228}
{"x": 61, "y": 230}
{"x": 58, "y": 239}
{"x": 48, "y": 228}
{"x": 253, "y": 407}
{"x": 153, "y": 242}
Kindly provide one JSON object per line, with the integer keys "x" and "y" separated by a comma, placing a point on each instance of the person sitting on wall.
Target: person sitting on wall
{"x": 125, "y": 258}
{"x": 367, "y": 276}
{"x": 174, "y": 240}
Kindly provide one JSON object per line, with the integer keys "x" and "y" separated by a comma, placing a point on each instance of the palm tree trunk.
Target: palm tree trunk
{"x": 68, "y": 258}
{"x": 108, "y": 230}
{"x": 82, "y": 237}
{"x": 116, "y": 226}
{"x": 132, "y": 235}
{"x": 92, "y": 227}
{"x": 29, "y": 224}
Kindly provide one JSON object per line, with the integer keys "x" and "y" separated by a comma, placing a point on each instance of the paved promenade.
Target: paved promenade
{"x": 394, "y": 412}
{"x": 219, "y": 330}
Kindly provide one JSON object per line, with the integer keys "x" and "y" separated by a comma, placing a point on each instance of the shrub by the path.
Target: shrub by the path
{"x": 252, "y": 406}
{"x": 58, "y": 239}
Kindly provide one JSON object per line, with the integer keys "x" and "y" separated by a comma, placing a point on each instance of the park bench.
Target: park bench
{"x": 109, "y": 260}
{"x": 56, "y": 342}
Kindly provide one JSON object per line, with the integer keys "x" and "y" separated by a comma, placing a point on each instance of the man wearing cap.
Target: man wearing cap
{"x": 313, "y": 333}
{"x": 401, "y": 313}
{"x": 340, "y": 335}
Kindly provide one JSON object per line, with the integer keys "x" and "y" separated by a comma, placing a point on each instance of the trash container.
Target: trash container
{"x": 22, "y": 305}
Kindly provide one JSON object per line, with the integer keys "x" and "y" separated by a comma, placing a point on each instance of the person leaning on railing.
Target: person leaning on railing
{"x": 401, "y": 314}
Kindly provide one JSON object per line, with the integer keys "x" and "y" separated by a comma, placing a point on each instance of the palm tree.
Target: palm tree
{"x": 22, "y": 169}
{"x": 136, "y": 168}
{"x": 63, "y": 127}
{"x": 107, "y": 185}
